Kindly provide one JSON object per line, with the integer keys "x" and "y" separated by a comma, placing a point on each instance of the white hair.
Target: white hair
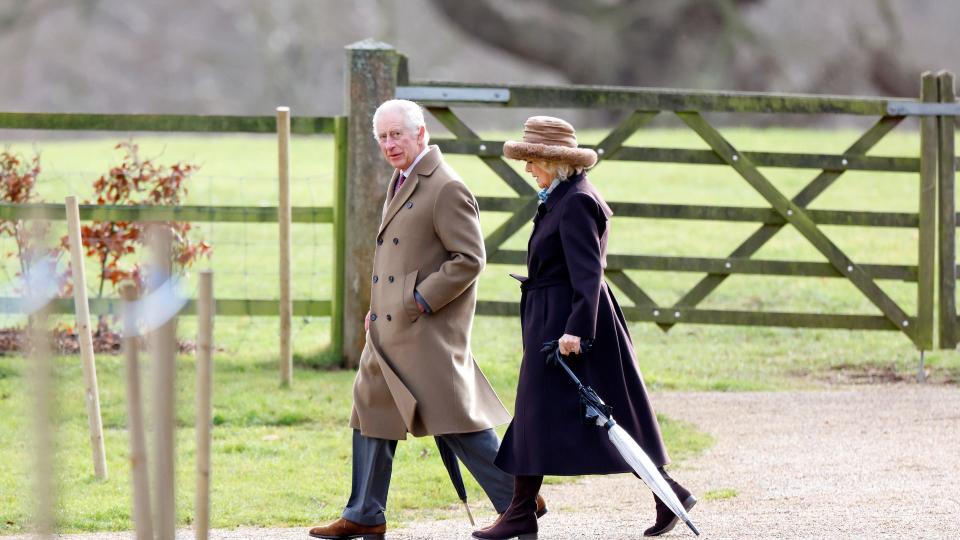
{"x": 561, "y": 171}
{"x": 412, "y": 116}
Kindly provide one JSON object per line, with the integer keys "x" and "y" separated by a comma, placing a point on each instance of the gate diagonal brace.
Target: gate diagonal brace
{"x": 463, "y": 132}
{"x": 807, "y": 195}
{"x": 796, "y": 216}
{"x": 619, "y": 135}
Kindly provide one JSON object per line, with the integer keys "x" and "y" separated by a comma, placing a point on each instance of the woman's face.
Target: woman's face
{"x": 543, "y": 176}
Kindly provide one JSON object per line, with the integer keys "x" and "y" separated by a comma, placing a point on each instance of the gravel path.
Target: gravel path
{"x": 865, "y": 461}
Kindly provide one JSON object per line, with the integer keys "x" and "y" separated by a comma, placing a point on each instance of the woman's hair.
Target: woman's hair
{"x": 560, "y": 170}
{"x": 412, "y": 116}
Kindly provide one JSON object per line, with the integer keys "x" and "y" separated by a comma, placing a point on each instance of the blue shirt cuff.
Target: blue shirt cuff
{"x": 421, "y": 301}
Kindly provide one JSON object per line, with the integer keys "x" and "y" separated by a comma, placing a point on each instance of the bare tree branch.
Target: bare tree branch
{"x": 24, "y": 14}
{"x": 602, "y": 41}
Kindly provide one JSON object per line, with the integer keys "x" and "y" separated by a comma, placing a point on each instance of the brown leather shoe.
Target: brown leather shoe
{"x": 342, "y": 529}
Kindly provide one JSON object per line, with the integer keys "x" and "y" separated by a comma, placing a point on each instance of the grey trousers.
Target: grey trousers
{"x": 373, "y": 466}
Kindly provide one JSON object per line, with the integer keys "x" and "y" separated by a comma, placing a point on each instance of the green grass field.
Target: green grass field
{"x": 282, "y": 456}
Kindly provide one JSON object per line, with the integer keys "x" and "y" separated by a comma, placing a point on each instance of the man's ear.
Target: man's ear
{"x": 420, "y": 132}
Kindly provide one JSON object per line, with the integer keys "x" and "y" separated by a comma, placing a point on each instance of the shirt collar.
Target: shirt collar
{"x": 406, "y": 172}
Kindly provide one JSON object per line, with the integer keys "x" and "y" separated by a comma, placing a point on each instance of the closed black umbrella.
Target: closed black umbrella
{"x": 597, "y": 412}
{"x": 453, "y": 469}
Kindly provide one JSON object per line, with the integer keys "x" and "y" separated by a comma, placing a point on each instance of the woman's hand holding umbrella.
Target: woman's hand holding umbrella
{"x": 569, "y": 344}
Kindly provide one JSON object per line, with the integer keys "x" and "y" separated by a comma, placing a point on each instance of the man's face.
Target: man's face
{"x": 398, "y": 144}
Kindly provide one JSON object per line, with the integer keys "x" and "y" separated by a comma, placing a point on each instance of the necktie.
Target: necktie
{"x": 399, "y": 184}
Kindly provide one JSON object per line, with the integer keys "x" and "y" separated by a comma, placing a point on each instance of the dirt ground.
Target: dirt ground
{"x": 877, "y": 461}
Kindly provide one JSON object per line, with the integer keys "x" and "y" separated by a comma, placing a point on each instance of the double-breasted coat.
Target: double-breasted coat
{"x": 417, "y": 374}
{"x": 564, "y": 293}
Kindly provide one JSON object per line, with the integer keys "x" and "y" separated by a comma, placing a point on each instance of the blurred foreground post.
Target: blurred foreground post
{"x": 82, "y": 308}
{"x": 163, "y": 348}
{"x": 42, "y": 375}
{"x": 205, "y": 311}
{"x": 142, "y": 520}
{"x": 283, "y": 218}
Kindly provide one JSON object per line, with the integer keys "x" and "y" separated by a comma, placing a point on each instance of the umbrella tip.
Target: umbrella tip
{"x": 693, "y": 528}
{"x": 469, "y": 514}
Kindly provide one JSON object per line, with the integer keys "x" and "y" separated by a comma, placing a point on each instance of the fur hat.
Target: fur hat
{"x": 546, "y": 138}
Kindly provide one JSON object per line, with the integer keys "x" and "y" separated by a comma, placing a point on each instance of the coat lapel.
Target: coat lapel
{"x": 558, "y": 192}
{"x": 428, "y": 163}
{"x": 387, "y": 200}
{"x": 552, "y": 201}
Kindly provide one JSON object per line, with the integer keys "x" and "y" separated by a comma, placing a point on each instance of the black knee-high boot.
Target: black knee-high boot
{"x": 520, "y": 519}
{"x": 666, "y": 519}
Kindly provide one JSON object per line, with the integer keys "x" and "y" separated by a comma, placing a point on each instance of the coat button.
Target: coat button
{"x": 390, "y": 279}
{"x": 373, "y": 316}
{"x": 376, "y": 278}
{"x": 396, "y": 241}
{"x": 410, "y": 204}
{"x": 379, "y": 241}
{"x": 389, "y": 318}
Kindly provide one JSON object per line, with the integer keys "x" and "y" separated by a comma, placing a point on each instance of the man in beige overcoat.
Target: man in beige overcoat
{"x": 416, "y": 372}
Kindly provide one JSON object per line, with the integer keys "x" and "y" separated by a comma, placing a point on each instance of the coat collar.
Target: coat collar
{"x": 425, "y": 167}
{"x": 558, "y": 193}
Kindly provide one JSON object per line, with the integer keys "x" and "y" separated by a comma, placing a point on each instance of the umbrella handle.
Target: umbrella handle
{"x": 559, "y": 358}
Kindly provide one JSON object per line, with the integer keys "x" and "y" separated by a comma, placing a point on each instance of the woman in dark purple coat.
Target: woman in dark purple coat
{"x": 564, "y": 296}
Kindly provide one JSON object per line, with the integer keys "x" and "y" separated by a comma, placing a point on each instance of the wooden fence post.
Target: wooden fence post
{"x": 205, "y": 311}
{"x": 82, "y": 308}
{"x": 341, "y": 143}
{"x": 374, "y": 70}
{"x": 142, "y": 519}
{"x": 948, "y": 218}
{"x": 928, "y": 216}
{"x": 283, "y": 218}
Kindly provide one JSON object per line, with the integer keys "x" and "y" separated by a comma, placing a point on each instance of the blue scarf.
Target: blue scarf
{"x": 545, "y": 192}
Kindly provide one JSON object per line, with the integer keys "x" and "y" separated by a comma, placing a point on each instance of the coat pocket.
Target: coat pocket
{"x": 409, "y": 301}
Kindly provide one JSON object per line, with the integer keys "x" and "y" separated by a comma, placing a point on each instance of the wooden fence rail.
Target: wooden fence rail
{"x": 163, "y": 123}
{"x": 213, "y": 214}
{"x": 222, "y": 306}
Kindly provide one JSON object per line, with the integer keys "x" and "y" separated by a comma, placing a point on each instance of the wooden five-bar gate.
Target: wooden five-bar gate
{"x": 934, "y": 168}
